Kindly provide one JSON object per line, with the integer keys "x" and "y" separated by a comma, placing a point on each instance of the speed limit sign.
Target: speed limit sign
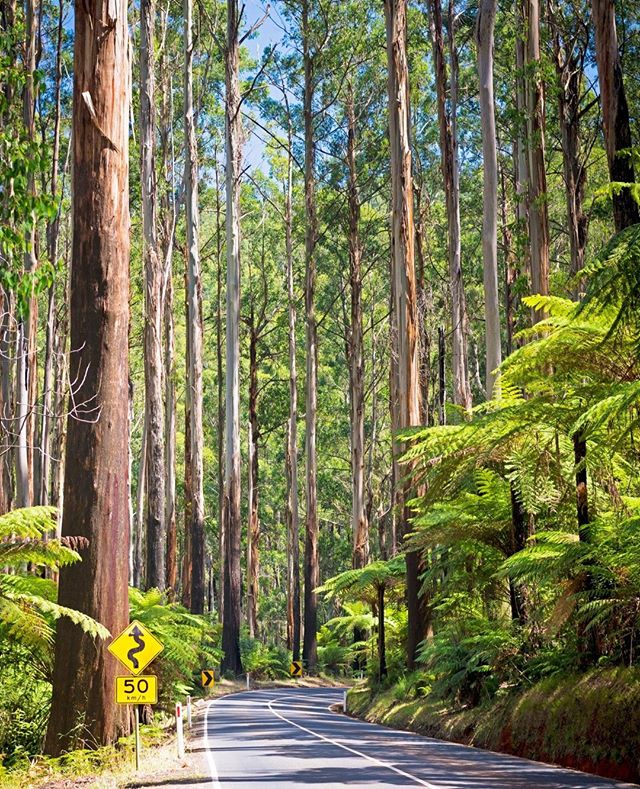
{"x": 137, "y": 690}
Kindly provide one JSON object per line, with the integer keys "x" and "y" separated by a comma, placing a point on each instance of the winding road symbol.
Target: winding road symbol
{"x": 136, "y": 635}
{"x": 135, "y": 647}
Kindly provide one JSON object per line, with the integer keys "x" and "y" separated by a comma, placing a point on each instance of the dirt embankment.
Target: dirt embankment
{"x": 588, "y": 722}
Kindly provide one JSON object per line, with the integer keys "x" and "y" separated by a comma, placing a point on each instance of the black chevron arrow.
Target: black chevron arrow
{"x": 207, "y": 678}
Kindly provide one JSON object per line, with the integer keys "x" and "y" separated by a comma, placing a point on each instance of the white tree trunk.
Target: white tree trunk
{"x": 403, "y": 278}
{"x": 359, "y": 522}
{"x": 538, "y": 213}
{"x": 311, "y": 569}
{"x": 293, "y": 527}
{"x": 484, "y": 31}
{"x": 194, "y": 319}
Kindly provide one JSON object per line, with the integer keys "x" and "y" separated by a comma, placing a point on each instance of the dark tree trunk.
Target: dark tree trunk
{"x": 569, "y": 50}
{"x": 520, "y": 534}
{"x": 442, "y": 381}
{"x": 155, "y": 576}
{"x": 96, "y": 502}
{"x": 382, "y": 647}
{"x": 291, "y": 462}
{"x": 193, "y": 292}
{"x": 587, "y": 637}
{"x": 447, "y": 120}
{"x": 220, "y": 392}
{"x": 538, "y": 209}
{"x": 233, "y": 525}
{"x": 615, "y": 112}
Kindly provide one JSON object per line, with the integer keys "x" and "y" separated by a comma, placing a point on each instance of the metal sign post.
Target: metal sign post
{"x": 135, "y": 648}
{"x": 137, "y": 738}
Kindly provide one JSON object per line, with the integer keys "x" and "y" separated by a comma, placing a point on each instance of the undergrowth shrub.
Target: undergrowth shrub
{"x": 470, "y": 659}
{"x": 263, "y": 661}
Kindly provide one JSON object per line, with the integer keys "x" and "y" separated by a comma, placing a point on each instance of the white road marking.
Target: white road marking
{"x": 386, "y": 765}
{"x": 210, "y": 759}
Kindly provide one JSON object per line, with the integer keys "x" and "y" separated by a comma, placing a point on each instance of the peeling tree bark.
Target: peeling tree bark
{"x": 484, "y": 34}
{"x": 96, "y": 475}
{"x": 615, "y": 112}
{"x": 538, "y": 211}
{"x": 311, "y": 566}
{"x": 195, "y": 509}
{"x": 293, "y": 523}
{"x": 403, "y": 278}
{"x": 233, "y": 525}
{"x": 154, "y": 410}
{"x": 451, "y": 176}
{"x": 169, "y": 216}
{"x": 359, "y": 522}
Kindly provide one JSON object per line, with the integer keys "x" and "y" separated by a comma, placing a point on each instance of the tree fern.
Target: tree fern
{"x": 27, "y": 603}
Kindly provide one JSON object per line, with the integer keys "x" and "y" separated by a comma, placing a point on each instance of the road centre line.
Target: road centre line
{"x": 386, "y": 765}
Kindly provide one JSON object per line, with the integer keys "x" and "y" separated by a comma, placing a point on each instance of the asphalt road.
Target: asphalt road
{"x": 286, "y": 738}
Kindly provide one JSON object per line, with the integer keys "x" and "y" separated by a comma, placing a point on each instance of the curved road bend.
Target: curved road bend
{"x": 287, "y": 738}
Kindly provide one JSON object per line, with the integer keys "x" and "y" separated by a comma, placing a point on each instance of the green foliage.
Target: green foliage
{"x": 362, "y": 584}
{"x": 27, "y": 602}
{"x": 28, "y": 612}
{"x": 262, "y": 661}
{"x": 25, "y": 698}
{"x": 517, "y": 588}
{"x": 470, "y": 658}
{"x": 190, "y": 642}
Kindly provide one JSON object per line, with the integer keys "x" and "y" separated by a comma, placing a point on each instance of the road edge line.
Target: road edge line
{"x": 210, "y": 760}
{"x": 351, "y": 750}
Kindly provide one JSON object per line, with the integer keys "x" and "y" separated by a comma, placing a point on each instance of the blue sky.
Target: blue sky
{"x": 268, "y": 34}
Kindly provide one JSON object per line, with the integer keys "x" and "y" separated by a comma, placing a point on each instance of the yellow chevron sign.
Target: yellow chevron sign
{"x": 208, "y": 678}
{"x": 295, "y": 669}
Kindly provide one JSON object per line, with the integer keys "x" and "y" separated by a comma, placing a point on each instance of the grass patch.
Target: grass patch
{"x": 589, "y": 721}
{"x": 44, "y": 770}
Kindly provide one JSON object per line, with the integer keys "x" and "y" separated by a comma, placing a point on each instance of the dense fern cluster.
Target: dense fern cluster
{"x": 529, "y": 513}
{"x": 527, "y": 518}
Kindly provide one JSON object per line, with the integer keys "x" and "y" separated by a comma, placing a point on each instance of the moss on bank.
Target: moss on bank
{"x": 589, "y": 722}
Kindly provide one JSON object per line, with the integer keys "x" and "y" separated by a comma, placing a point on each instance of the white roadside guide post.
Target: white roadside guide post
{"x": 179, "y": 730}
{"x": 189, "y": 712}
{"x": 248, "y": 681}
{"x": 344, "y": 702}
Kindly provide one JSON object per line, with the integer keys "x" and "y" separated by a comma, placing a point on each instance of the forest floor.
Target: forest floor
{"x": 114, "y": 768}
{"x": 572, "y": 721}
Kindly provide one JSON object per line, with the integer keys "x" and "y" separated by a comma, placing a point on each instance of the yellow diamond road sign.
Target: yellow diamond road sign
{"x": 135, "y": 647}
{"x": 137, "y": 690}
{"x": 295, "y": 669}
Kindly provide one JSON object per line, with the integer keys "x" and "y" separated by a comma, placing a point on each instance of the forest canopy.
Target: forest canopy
{"x": 319, "y": 340}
